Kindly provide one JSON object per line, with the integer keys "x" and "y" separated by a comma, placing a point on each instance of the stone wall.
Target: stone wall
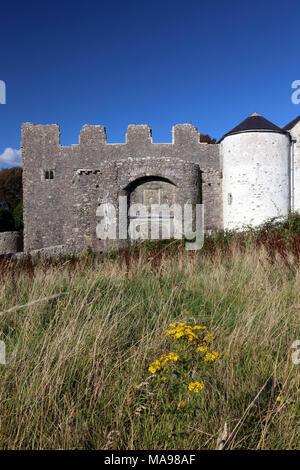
{"x": 62, "y": 209}
{"x": 10, "y": 242}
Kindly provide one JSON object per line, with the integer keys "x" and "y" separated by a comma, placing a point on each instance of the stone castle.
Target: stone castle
{"x": 251, "y": 175}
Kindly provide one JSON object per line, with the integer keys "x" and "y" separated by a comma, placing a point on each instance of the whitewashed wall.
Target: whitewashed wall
{"x": 295, "y": 133}
{"x": 255, "y": 178}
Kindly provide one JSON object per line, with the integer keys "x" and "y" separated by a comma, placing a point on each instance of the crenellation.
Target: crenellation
{"x": 92, "y": 136}
{"x": 239, "y": 180}
{"x": 184, "y": 134}
{"x": 139, "y": 134}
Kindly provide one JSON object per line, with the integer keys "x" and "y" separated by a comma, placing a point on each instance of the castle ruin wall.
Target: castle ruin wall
{"x": 64, "y": 185}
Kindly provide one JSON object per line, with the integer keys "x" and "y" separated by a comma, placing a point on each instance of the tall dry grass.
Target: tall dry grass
{"x": 77, "y": 364}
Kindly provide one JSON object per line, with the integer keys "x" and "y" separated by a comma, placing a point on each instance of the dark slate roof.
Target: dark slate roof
{"x": 291, "y": 124}
{"x": 254, "y": 123}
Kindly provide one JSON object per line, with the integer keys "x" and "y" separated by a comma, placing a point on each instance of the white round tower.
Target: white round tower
{"x": 256, "y": 166}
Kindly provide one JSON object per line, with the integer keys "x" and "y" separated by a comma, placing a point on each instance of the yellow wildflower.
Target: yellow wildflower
{"x": 195, "y": 387}
{"x": 209, "y": 338}
{"x": 154, "y": 366}
{"x": 181, "y": 404}
{"x": 173, "y": 356}
{"x": 209, "y": 357}
{"x": 202, "y": 348}
{"x": 162, "y": 362}
{"x": 179, "y": 334}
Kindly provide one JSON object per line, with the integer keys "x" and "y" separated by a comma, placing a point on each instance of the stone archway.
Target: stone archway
{"x": 151, "y": 192}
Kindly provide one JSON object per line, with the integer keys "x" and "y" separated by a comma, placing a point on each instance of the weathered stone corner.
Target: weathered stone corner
{"x": 32, "y": 134}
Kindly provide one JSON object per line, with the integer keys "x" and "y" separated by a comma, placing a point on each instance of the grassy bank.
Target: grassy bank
{"x": 77, "y": 365}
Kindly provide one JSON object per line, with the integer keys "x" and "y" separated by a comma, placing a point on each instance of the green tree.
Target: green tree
{"x": 18, "y": 217}
{"x": 11, "y": 187}
{"x": 206, "y": 138}
{"x": 11, "y": 192}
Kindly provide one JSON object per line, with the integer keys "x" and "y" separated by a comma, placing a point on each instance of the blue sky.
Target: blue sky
{"x": 159, "y": 63}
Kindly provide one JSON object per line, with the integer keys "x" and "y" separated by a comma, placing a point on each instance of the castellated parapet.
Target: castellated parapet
{"x": 249, "y": 177}
{"x": 63, "y": 186}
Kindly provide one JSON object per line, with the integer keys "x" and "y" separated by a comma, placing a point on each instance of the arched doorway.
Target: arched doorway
{"x": 152, "y": 222}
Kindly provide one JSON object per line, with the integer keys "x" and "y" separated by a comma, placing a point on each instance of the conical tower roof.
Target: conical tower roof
{"x": 255, "y": 123}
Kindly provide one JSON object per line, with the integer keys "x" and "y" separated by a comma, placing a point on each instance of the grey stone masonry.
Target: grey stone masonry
{"x": 10, "y": 242}
{"x": 63, "y": 186}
